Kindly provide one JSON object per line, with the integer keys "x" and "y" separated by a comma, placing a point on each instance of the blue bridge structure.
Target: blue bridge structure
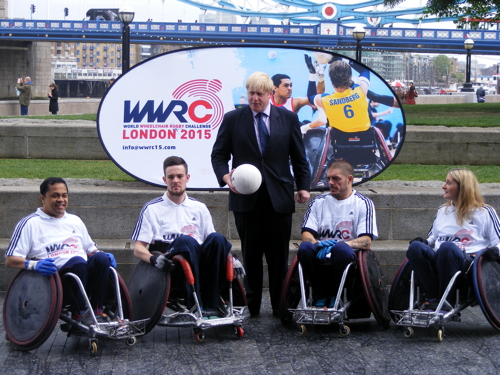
{"x": 323, "y": 35}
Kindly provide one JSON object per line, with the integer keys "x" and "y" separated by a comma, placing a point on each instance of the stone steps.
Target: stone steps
{"x": 389, "y": 253}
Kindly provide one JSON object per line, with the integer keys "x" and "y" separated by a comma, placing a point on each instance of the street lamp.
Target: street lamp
{"x": 126, "y": 15}
{"x": 467, "y": 87}
{"x": 358, "y": 33}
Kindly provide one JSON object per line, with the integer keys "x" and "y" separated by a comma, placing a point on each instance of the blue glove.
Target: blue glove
{"x": 325, "y": 247}
{"x": 112, "y": 261}
{"x": 45, "y": 267}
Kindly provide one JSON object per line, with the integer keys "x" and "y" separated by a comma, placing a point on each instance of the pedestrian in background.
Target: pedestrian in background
{"x": 24, "y": 87}
{"x": 410, "y": 95}
{"x": 54, "y": 97}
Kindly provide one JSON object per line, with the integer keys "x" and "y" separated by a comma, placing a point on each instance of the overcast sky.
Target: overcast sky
{"x": 168, "y": 11}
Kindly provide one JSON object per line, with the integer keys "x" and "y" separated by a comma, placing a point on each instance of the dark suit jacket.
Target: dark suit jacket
{"x": 237, "y": 137}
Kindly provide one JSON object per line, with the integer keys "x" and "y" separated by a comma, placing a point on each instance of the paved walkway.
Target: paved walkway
{"x": 470, "y": 347}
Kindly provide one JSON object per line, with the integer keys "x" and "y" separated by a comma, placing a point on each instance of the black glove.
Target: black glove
{"x": 162, "y": 262}
{"x": 419, "y": 239}
{"x": 310, "y": 64}
{"x": 490, "y": 254}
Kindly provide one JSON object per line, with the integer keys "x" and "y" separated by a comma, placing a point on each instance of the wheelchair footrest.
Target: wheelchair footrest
{"x": 121, "y": 329}
{"x": 316, "y": 315}
{"x": 417, "y": 318}
{"x": 186, "y": 319}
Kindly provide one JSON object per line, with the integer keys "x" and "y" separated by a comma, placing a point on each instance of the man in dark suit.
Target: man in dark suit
{"x": 266, "y": 137}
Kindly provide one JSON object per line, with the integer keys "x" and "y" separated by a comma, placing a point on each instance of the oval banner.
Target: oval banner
{"x": 173, "y": 104}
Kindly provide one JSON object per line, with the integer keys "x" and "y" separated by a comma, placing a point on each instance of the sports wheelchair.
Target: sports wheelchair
{"x": 34, "y": 303}
{"x": 405, "y": 299}
{"x": 154, "y": 297}
{"x": 362, "y": 291}
{"x": 366, "y": 151}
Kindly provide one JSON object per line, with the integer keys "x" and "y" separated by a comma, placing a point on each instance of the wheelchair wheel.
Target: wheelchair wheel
{"x": 149, "y": 290}
{"x": 317, "y": 142}
{"x": 486, "y": 277}
{"x": 290, "y": 295}
{"x": 375, "y": 287}
{"x": 399, "y": 295}
{"x": 31, "y": 309}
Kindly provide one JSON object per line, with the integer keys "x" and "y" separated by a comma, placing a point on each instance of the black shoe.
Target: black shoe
{"x": 87, "y": 320}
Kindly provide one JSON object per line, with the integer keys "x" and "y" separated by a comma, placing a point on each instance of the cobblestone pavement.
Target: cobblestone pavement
{"x": 470, "y": 347}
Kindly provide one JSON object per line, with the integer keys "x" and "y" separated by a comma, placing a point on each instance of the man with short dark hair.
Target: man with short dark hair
{"x": 178, "y": 224}
{"x": 334, "y": 225}
{"x": 52, "y": 240}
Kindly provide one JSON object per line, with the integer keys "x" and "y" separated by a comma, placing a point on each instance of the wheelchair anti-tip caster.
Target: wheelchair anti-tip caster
{"x": 302, "y": 329}
{"x": 440, "y": 334}
{"x": 199, "y": 336}
{"x": 408, "y": 332}
{"x": 344, "y": 330}
{"x": 239, "y": 332}
{"x": 93, "y": 346}
{"x": 131, "y": 341}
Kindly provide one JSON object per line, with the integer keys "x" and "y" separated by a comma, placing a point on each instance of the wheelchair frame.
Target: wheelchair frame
{"x": 15, "y": 313}
{"x": 307, "y": 314}
{"x": 174, "y": 314}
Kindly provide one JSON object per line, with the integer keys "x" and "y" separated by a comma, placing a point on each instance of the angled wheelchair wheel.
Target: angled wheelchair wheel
{"x": 290, "y": 294}
{"x": 486, "y": 278}
{"x": 399, "y": 295}
{"x": 31, "y": 309}
{"x": 148, "y": 289}
{"x": 375, "y": 287}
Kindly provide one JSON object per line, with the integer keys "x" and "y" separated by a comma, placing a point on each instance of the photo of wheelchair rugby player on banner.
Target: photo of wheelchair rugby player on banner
{"x": 347, "y": 126}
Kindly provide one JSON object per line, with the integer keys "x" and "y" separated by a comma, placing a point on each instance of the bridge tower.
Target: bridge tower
{"x": 20, "y": 59}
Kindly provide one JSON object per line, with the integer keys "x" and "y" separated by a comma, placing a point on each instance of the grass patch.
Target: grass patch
{"x": 43, "y": 168}
{"x": 469, "y": 114}
{"x": 107, "y": 170}
{"x": 418, "y": 172}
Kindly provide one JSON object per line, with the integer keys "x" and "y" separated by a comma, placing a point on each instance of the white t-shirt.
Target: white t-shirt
{"x": 342, "y": 220}
{"x": 42, "y": 236}
{"x": 476, "y": 233}
{"x": 163, "y": 220}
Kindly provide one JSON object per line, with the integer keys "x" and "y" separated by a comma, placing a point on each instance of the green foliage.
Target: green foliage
{"x": 474, "y": 9}
{"x": 470, "y": 115}
{"x": 442, "y": 66}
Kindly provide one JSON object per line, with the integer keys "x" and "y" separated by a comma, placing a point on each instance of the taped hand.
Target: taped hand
{"x": 45, "y": 267}
{"x": 162, "y": 262}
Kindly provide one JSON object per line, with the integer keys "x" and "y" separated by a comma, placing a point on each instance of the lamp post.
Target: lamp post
{"x": 467, "y": 87}
{"x": 126, "y": 15}
{"x": 358, "y": 33}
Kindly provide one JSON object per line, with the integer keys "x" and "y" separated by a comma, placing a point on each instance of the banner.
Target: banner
{"x": 173, "y": 104}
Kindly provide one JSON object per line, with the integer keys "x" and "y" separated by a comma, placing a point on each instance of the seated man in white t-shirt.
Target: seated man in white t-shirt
{"x": 51, "y": 240}
{"x": 178, "y": 224}
{"x": 335, "y": 223}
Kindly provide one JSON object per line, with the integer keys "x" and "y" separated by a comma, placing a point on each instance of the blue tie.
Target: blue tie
{"x": 263, "y": 133}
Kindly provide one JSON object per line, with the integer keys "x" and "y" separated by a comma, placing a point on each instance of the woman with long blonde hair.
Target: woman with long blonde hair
{"x": 462, "y": 227}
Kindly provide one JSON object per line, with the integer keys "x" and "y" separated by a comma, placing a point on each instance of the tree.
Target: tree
{"x": 442, "y": 67}
{"x": 474, "y": 10}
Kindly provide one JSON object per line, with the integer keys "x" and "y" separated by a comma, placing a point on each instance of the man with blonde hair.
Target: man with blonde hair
{"x": 267, "y": 137}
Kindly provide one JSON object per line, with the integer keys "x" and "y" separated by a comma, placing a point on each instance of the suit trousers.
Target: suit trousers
{"x": 263, "y": 231}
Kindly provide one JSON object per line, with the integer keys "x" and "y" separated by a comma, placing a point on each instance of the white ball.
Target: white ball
{"x": 272, "y": 54}
{"x": 322, "y": 57}
{"x": 246, "y": 179}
